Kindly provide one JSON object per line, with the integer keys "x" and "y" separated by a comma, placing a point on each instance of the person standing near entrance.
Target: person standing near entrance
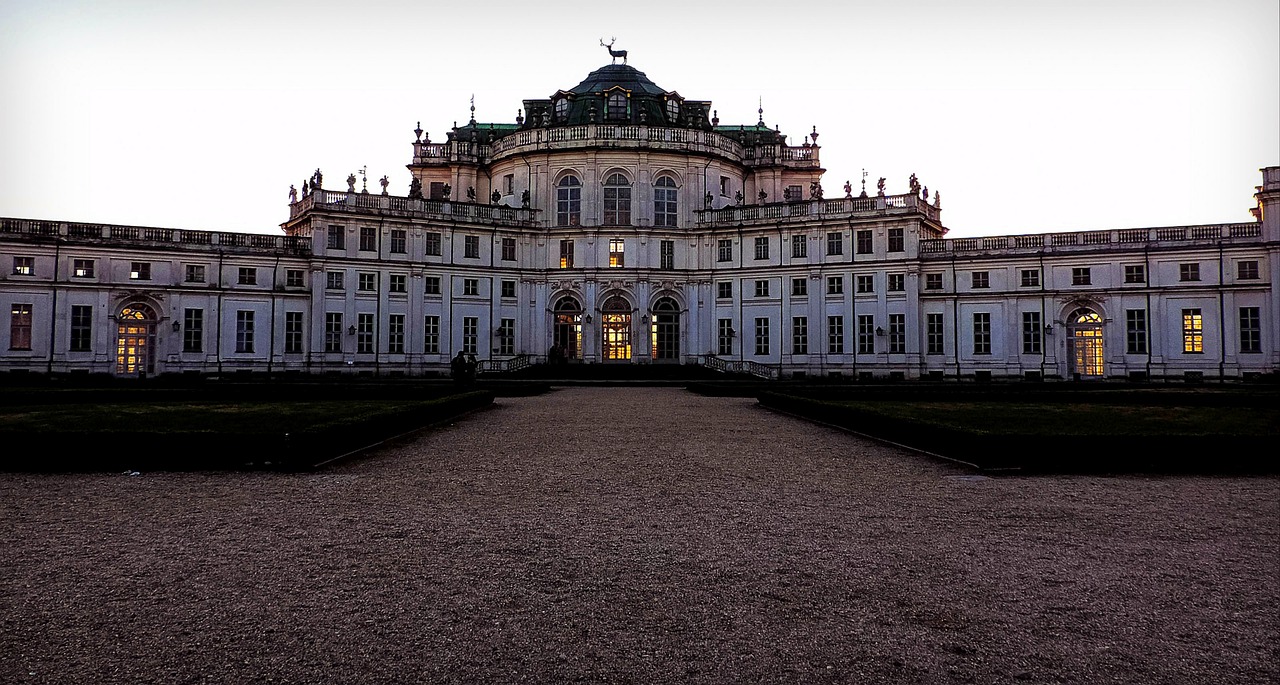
{"x": 458, "y": 368}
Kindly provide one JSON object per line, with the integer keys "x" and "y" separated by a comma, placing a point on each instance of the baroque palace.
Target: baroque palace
{"x": 617, "y": 222}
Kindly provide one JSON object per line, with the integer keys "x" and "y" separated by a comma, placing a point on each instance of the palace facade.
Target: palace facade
{"x": 624, "y": 224}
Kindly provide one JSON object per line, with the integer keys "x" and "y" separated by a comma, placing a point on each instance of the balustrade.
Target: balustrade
{"x": 1128, "y": 236}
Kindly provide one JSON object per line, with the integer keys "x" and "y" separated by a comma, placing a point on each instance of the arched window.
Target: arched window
{"x": 617, "y": 201}
{"x": 665, "y": 330}
{"x": 664, "y": 202}
{"x": 568, "y": 327}
{"x": 615, "y": 333}
{"x": 617, "y": 107}
{"x": 562, "y": 110}
{"x": 136, "y": 340}
{"x": 1084, "y": 327}
{"x": 569, "y": 201}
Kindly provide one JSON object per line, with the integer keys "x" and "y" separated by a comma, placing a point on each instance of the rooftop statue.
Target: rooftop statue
{"x": 615, "y": 54}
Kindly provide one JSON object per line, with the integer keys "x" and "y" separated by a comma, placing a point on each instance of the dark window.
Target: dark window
{"x": 397, "y": 283}
{"x": 762, "y": 336}
{"x": 438, "y": 192}
{"x": 471, "y": 246}
{"x": 368, "y": 239}
{"x": 399, "y": 241}
{"x": 865, "y": 284}
{"x": 244, "y": 331}
{"x": 1081, "y": 275}
{"x": 333, "y": 332}
{"x": 835, "y": 243}
{"x": 1135, "y": 328}
{"x": 431, "y": 285}
{"x": 664, "y": 202}
{"x": 835, "y": 285}
{"x": 82, "y": 268}
{"x": 1250, "y": 329}
{"x": 194, "y": 273}
{"x": 667, "y": 254}
{"x": 293, "y": 278}
{"x": 897, "y": 333}
{"x": 799, "y": 286}
{"x": 432, "y": 245}
{"x": 982, "y": 333}
{"x": 368, "y": 282}
{"x": 364, "y": 333}
{"x": 247, "y": 275}
{"x": 799, "y": 335}
{"x": 897, "y": 283}
{"x": 508, "y": 249}
{"x": 617, "y": 201}
{"x": 866, "y": 334}
{"x": 140, "y": 271}
{"x": 724, "y": 250}
{"x": 1247, "y": 270}
{"x": 336, "y": 237}
{"x": 896, "y": 240}
{"x": 616, "y": 107}
{"x": 1030, "y": 278}
{"x": 835, "y": 335}
{"x": 799, "y": 247}
{"x": 762, "y": 288}
{"x": 933, "y": 334}
{"x": 724, "y": 290}
{"x": 293, "y": 332}
{"x": 333, "y": 280}
{"x": 193, "y": 330}
{"x": 431, "y": 334}
{"x": 864, "y": 245}
{"x": 509, "y": 289}
{"x": 395, "y": 334}
{"x": 470, "y": 334}
{"x": 1189, "y": 271}
{"x": 981, "y": 279}
{"x": 933, "y": 281}
{"x": 724, "y": 336}
{"x": 1135, "y": 273}
{"x": 569, "y": 201}
{"x": 762, "y": 247}
{"x": 1031, "y": 333}
{"x": 81, "y": 328}
{"x": 470, "y": 286}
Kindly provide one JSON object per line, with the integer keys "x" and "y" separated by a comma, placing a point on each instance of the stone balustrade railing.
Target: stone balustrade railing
{"x": 364, "y": 203}
{"x": 110, "y": 233}
{"x": 615, "y": 135}
{"x": 1048, "y": 242}
{"x": 816, "y": 209}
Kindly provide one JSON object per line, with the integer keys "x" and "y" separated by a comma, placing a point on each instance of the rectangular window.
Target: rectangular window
{"x": 799, "y": 247}
{"x": 398, "y": 283}
{"x": 508, "y": 249}
{"x": 980, "y": 279}
{"x": 864, "y": 244}
{"x": 1135, "y": 329}
{"x": 24, "y": 266}
{"x": 431, "y": 285}
{"x": 897, "y": 283}
{"x": 333, "y": 332}
{"x": 799, "y": 286}
{"x": 1030, "y": 278}
{"x": 724, "y": 186}
{"x": 1081, "y": 275}
{"x": 364, "y": 333}
{"x": 566, "y": 254}
{"x": 293, "y": 278}
{"x": 509, "y": 184}
{"x": 933, "y": 332}
{"x": 470, "y": 286}
{"x": 333, "y": 280}
{"x": 1135, "y": 273}
{"x": 724, "y": 250}
{"x": 667, "y": 254}
{"x": 762, "y": 336}
{"x": 247, "y": 275}
{"x": 431, "y": 334}
{"x": 896, "y": 242}
{"x": 1032, "y": 330}
{"x": 395, "y": 334}
{"x": 140, "y": 271}
{"x": 866, "y": 284}
{"x": 20, "y": 327}
{"x": 293, "y": 332}
{"x": 724, "y": 290}
{"x": 82, "y": 268}
{"x": 835, "y": 335}
{"x": 724, "y": 337}
{"x": 194, "y": 273}
{"x": 432, "y": 244}
{"x": 866, "y": 334}
{"x": 509, "y": 289}
{"x": 897, "y": 333}
{"x": 793, "y": 194}
{"x": 617, "y": 258}
{"x": 438, "y": 191}
{"x": 368, "y": 239}
{"x": 368, "y": 282}
{"x": 1192, "y": 331}
{"x": 507, "y": 337}
{"x": 1247, "y": 270}
{"x": 762, "y": 247}
{"x": 471, "y": 246}
{"x": 81, "y": 328}
{"x": 835, "y": 285}
{"x": 981, "y": 333}
{"x": 193, "y": 330}
{"x": 470, "y": 334}
{"x": 933, "y": 281}
{"x": 399, "y": 241}
{"x": 337, "y": 236}
{"x": 244, "y": 331}
{"x": 835, "y": 243}
{"x": 1189, "y": 271}
{"x": 799, "y": 335}
{"x": 762, "y": 288}
{"x": 1250, "y": 329}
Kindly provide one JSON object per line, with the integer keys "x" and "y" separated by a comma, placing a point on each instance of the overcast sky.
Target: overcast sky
{"x": 1028, "y": 116}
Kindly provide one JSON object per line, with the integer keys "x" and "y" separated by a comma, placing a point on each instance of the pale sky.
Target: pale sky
{"x": 1028, "y": 116}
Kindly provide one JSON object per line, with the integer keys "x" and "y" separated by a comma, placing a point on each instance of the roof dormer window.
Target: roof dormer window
{"x": 617, "y": 107}
{"x": 562, "y": 110}
{"x": 673, "y": 110}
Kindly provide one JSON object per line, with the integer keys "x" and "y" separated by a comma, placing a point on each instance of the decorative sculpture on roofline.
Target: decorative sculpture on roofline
{"x": 615, "y": 54}
{"x": 293, "y": 194}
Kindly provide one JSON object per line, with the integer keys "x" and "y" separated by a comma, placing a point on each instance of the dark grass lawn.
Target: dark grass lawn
{"x": 1082, "y": 419}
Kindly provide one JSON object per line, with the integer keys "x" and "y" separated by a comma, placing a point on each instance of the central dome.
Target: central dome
{"x": 612, "y": 75}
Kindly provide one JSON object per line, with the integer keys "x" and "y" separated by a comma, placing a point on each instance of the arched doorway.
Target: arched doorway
{"x": 568, "y": 327}
{"x": 136, "y": 340}
{"x": 615, "y": 324}
{"x": 1084, "y": 326}
{"x": 666, "y": 330}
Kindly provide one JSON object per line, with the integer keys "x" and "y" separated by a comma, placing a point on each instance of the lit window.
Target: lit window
{"x": 569, "y": 201}
{"x": 140, "y": 271}
{"x": 617, "y": 201}
{"x": 82, "y": 268}
{"x": 24, "y": 266}
{"x": 566, "y": 254}
{"x": 616, "y": 256}
{"x": 1192, "y": 331}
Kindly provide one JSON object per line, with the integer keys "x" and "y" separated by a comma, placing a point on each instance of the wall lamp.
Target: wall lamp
{"x": 644, "y": 319}
{"x": 1048, "y": 330}
{"x": 177, "y": 325}
{"x": 588, "y": 318}
{"x": 879, "y": 331}
{"x": 351, "y": 330}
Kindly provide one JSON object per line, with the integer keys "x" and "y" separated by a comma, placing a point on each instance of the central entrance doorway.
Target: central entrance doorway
{"x": 1085, "y": 329}
{"x": 666, "y": 330}
{"x": 136, "y": 340}
{"x": 568, "y": 327}
{"x": 615, "y": 323}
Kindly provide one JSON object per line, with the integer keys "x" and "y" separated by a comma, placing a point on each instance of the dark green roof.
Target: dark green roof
{"x": 612, "y": 75}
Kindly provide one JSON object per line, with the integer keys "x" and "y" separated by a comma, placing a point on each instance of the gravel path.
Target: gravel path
{"x": 637, "y": 535}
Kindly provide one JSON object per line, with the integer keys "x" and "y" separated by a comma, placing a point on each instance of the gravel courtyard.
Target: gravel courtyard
{"x": 637, "y": 535}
